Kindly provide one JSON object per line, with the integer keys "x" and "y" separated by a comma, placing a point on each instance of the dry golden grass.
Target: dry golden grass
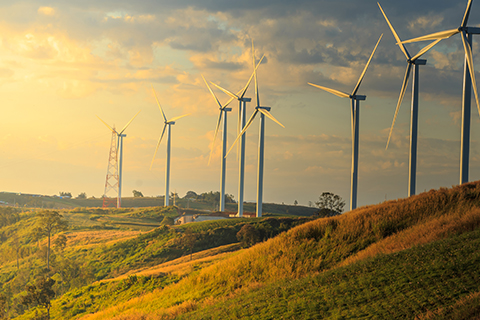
{"x": 432, "y": 230}
{"x": 183, "y": 266}
{"x": 108, "y": 237}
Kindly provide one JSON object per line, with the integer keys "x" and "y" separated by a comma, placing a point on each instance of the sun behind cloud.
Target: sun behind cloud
{"x": 48, "y": 11}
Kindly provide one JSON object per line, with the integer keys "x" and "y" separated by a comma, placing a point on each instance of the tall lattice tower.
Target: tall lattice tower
{"x": 111, "y": 184}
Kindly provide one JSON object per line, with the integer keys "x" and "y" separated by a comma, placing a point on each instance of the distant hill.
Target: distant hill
{"x": 56, "y": 202}
{"x": 404, "y": 259}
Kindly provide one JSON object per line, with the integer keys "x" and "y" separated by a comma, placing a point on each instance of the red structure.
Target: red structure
{"x": 110, "y": 197}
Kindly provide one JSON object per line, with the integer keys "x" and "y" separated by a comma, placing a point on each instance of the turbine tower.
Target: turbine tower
{"x": 223, "y": 112}
{"x": 355, "y": 125}
{"x": 264, "y": 111}
{"x": 118, "y": 150}
{"x": 468, "y": 82}
{"x": 242, "y": 115}
{"x": 167, "y": 123}
{"x": 414, "y": 62}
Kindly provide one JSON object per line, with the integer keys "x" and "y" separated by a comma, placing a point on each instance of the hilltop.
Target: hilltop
{"x": 414, "y": 257}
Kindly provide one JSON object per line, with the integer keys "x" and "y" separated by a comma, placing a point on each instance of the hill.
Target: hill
{"x": 414, "y": 257}
{"x": 202, "y": 206}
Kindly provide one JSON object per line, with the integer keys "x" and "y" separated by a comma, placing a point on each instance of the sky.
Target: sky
{"x": 63, "y": 63}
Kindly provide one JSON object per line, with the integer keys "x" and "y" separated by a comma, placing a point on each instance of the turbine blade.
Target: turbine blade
{"x": 213, "y": 94}
{"x": 242, "y": 92}
{"x": 269, "y": 115}
{"x": 239, "y": 123}
{"x": 129, "y": 122}
{"x": 243, "y": 131}
{"x": 402, "y": 47}
{"x": 158, "y": 145}
{"x": 231, "y": 94}
{"x": 366, "y": 67}
{"x": 255, "y": 75}
{"x": 467, "y": 13}
{"x": 179, "y": 117}
{"x": 434, "y": 36}
{"x": 400, "y": 99}
{"x": 163, "y": 113}
{"x": 335, "y": 92}
{"x": 215, "y": 136}
{"x": 469, "y": 56}
{"x": 425, "y": 49}
{"x": 113, "y": 130}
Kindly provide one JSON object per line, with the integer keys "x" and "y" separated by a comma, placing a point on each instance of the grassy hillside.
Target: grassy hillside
{"x": 415, "y": 257}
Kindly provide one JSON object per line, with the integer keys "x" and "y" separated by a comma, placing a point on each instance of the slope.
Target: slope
{"x": 345, "y": 247}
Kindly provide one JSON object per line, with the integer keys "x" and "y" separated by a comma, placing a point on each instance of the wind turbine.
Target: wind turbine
{"x": 414, "y": 62}
{"x": 168, "y": 123}
{"x": 223, "y": 111}
{"x": 468, "y": 81}
{"x": 355, "y": 125}
{"x": 264, "y": 111}
{"x": 242, "y": 114}
{"x": 120, "y": 137}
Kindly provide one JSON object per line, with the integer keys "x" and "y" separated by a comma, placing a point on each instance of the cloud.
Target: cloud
{"x": 48, "y": 11}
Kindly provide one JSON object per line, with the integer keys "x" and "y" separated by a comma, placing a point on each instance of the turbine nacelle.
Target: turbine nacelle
{"x": 418, "y": 62}
{"x": 358, "y": 97}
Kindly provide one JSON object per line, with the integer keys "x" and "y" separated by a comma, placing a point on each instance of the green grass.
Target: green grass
{"x": 394, "y": 286}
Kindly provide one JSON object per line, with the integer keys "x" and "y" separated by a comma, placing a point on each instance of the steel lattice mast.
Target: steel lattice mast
{"x": 112, "y": 181}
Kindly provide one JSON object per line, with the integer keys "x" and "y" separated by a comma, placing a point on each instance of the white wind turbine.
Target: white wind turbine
{"x": 223, "y": 112}
{"x": 120, "y": 137}
{"x": 264, "y": 111}
{"x": 242, "y": 114}
{"x": 414, "y": 62}
{"x": 468, "y": 81}
{"x": 355, "y": 125}
{"x": 168, "y": 123}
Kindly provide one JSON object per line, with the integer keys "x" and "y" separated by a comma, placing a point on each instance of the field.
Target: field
{"x": 404, "y": 259}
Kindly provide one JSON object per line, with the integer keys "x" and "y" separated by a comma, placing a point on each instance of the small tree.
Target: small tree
{"x": 65, "y": 194}
{"x": 248, "y": 236}
{"x": 330, "y": 205}
{"x": 188, "y": 240}
{"x": 40, "y": 294}
{"x": 60, "y": 242}
{"x": 137, "y": 194}
{"x": 82, "y": 195}
{"x": 295, "y": 202}
{"x": 47, "y": 223}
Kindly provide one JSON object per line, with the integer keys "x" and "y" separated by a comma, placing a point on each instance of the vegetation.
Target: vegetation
{"x": 410, "y": 258}
{"x": 330, "y": 205}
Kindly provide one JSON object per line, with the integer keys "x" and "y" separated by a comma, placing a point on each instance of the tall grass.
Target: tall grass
{"x": 325, "y": 244}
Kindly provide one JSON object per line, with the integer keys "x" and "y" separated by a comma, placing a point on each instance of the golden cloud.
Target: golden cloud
{"x": 48, "y": 11}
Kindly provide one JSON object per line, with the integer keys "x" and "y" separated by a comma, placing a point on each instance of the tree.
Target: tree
{"x": 191, "y": 195}
{"x": 330, "y": 205}
{"x": 137, "y": 194}
{"x": 188, "y": 240}
{"x": 60, "y": 242}
{"x": 47, "y": 223}
{"x": 295, "y": 202}
{"x": 248, "y": 236}
{"x": 17, "y": 245}
{"x": 40, "y": 294}
{"x": 65, "y": 194}
{"x": 82, "y": 195}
